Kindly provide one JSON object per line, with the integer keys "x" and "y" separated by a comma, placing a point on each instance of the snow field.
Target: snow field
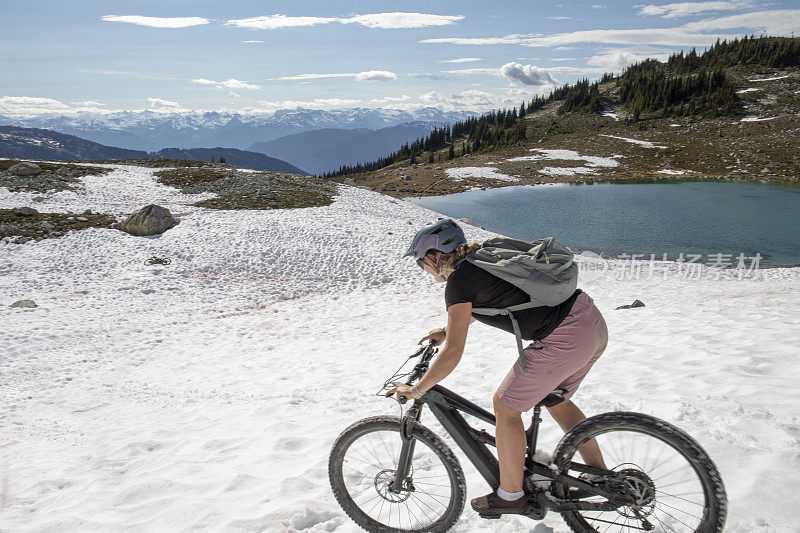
{"x": 646, "y": 144}
{"x": 206, "y": 394}
{"x": 487, "y": 172}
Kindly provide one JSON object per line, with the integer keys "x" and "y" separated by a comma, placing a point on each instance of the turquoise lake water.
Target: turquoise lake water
{"x": 672, "y": 217}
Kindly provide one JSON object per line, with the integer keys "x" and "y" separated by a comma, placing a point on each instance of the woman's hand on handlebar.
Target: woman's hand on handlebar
{"x": 402, "y": 390}
{"x": 436, "y": 335}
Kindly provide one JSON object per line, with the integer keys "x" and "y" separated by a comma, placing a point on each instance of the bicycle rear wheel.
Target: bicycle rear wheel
{"x": 362, "y": 466}
{"x": 675, "y": 484}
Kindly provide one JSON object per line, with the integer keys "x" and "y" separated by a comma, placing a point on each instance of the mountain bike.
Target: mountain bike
{"x": 392, "y": 474}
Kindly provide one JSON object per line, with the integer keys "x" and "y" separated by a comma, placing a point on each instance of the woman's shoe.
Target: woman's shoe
{"x": 493, "y": 506}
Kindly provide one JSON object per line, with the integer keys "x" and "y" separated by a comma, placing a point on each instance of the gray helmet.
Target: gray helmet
{"x": 443, "y": 236}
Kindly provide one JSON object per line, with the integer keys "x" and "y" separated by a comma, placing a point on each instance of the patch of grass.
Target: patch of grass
{"x": 163, "y": 163}
{"x": 38, "y": 226}
{"x": 76, "y": 170}
{"x": 186, "y": 177}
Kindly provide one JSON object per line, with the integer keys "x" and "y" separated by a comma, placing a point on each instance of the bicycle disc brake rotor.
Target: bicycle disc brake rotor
{"x": 384, "y": 479}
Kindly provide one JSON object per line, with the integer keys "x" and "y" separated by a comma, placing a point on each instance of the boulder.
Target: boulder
{"x": 64, "y": 172}
{"x": 24, "y": 304}
{"x": 25, "y": 169}
{"x": 149, "y": 220}
{"x": 636, "y": 303}
{"x": 25, "y": 211}
{"x": 466, "y": 221}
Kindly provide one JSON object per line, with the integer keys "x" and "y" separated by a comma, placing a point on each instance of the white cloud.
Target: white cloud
{"x": 526, "y": 74}
{"x": 461, "y": 60}
{"x": 318, "y": 103}
{"x": 88, "y": 103}
{"x": 158, "y": 103}
{"x": 391, "y": 99}
{"x": 157, "y": 22}
{"x": 618, "y": 60}
{"x": 683, "y": 9}
{"x": 273, "y": 22}
{"x": 373, "y": 20}
{"x": 253, "y": 42}
{"x": 468, "y": 71}
{"x": 368, "y": 75}
{"x": 401, "y": 20}
{"x": 29, "y": 106}
{"x": 775, "y": 22}
{"x": 233, "y": 94}
{"x": 560, "y": 18}
{"x": 376, "y": 75}
{"x": 428, "y": 76}
{"x": 227, "y": 84}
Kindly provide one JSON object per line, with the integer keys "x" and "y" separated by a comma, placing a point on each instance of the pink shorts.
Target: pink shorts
{"x": 559, "y": 361}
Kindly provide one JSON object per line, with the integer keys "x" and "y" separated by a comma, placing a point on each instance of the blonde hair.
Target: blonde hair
{"x": 447, "y": 262}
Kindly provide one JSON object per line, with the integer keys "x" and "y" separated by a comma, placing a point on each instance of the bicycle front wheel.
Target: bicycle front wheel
{"x": 675, "y": 485}
{"x": 362, "y": 467}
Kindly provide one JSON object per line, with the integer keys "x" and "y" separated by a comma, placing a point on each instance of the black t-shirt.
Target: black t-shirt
{"x": 469, "y": 283}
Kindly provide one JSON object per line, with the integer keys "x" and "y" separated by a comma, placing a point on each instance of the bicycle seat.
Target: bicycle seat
{"x": 554, "y": 398}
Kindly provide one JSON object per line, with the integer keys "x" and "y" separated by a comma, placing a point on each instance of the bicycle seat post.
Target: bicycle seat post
{"x": 533, "y": 431}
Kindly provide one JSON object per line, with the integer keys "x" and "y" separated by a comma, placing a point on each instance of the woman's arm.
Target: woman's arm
{"x": 459, "y": 317}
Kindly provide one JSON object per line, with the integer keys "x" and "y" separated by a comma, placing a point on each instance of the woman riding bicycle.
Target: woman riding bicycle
{"x": 567, "y": 340}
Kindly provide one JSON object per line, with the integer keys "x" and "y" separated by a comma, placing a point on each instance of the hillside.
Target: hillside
{"x": 32, "y": 143}
{"x": 191, "y": 396}
{"x": 325, "y": 150}
{"x": 748, "y": 129}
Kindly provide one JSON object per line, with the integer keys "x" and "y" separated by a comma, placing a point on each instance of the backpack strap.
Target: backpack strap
{"x": 509, "y": 311}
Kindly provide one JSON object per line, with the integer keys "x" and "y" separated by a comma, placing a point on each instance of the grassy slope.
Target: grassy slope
{"x": 720, "y": 148}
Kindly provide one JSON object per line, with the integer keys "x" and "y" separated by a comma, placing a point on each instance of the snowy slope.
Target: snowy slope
{"x": 205, "y": 395}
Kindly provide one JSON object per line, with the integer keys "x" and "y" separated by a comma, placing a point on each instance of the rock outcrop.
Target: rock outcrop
{"x": 149, "y": 220}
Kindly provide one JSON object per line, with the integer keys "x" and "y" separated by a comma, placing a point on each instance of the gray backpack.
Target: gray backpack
{"x": 544, "y": 269}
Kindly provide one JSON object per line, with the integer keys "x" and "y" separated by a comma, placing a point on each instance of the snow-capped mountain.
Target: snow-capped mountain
{"x": 150, "y": 130}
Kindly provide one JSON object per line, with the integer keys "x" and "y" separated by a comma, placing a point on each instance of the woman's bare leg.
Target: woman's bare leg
{"x": 567, "y": 414}
{"x": 511, "y": 446}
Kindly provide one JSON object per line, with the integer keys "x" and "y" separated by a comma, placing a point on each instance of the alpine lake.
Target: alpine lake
{"x": 716, "y": 220}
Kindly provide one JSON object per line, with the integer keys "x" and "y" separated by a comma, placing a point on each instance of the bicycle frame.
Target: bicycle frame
{"x": 447, "y": 407}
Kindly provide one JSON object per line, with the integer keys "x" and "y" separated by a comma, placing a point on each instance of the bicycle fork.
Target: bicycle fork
{"x": 407, "y": 449}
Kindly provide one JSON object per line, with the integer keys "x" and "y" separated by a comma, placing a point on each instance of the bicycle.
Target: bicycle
{"x": 392, "y": 474}
{"x": 155, "y": 260}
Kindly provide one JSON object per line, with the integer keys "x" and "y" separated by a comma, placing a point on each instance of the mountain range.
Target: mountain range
{"x": 150, "y": 130}
{"x": 328, "y": 149}
{"x": 33, "y": 143}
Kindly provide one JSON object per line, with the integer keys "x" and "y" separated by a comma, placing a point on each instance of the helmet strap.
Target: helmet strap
{"x": 438, "y": 255}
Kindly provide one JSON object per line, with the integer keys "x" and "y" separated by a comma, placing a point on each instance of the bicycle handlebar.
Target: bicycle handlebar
{"x": 427, "y": 352}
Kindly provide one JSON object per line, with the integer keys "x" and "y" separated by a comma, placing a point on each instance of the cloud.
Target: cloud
{"x": 368, "y": 75}
{"x": 88, "y": 103}
{"x": 157, "y": 22}
{"x": 526, "y": 74}
{"x": 376, "y": 75}
{"x": 318, "y": 103}
{"x": 29, "y": 106}
{"x": 516, "y": 73}
{"x": 401, "y": 20}
{"x": 162, "y": 104}
{"x": 461, "y": 60}
{"x": 560, "y": 18}
{"x": 618, "y": 60}
{"x": 252, "y": 42}
{"x": 487, "y": 71}
{"x": 391, "y": 99}
{"x": 428, "y": 76}
{"x": 775, "y": 22}
{"x": 233, "y": 94}
{"x": 227, "y": 84}
{"x": 683, "y": 9}
{"x": 396, "y": 20}
{"x": 273, "y": 22}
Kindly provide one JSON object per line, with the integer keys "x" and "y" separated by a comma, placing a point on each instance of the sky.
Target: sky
{"x": 253, "y": 57}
